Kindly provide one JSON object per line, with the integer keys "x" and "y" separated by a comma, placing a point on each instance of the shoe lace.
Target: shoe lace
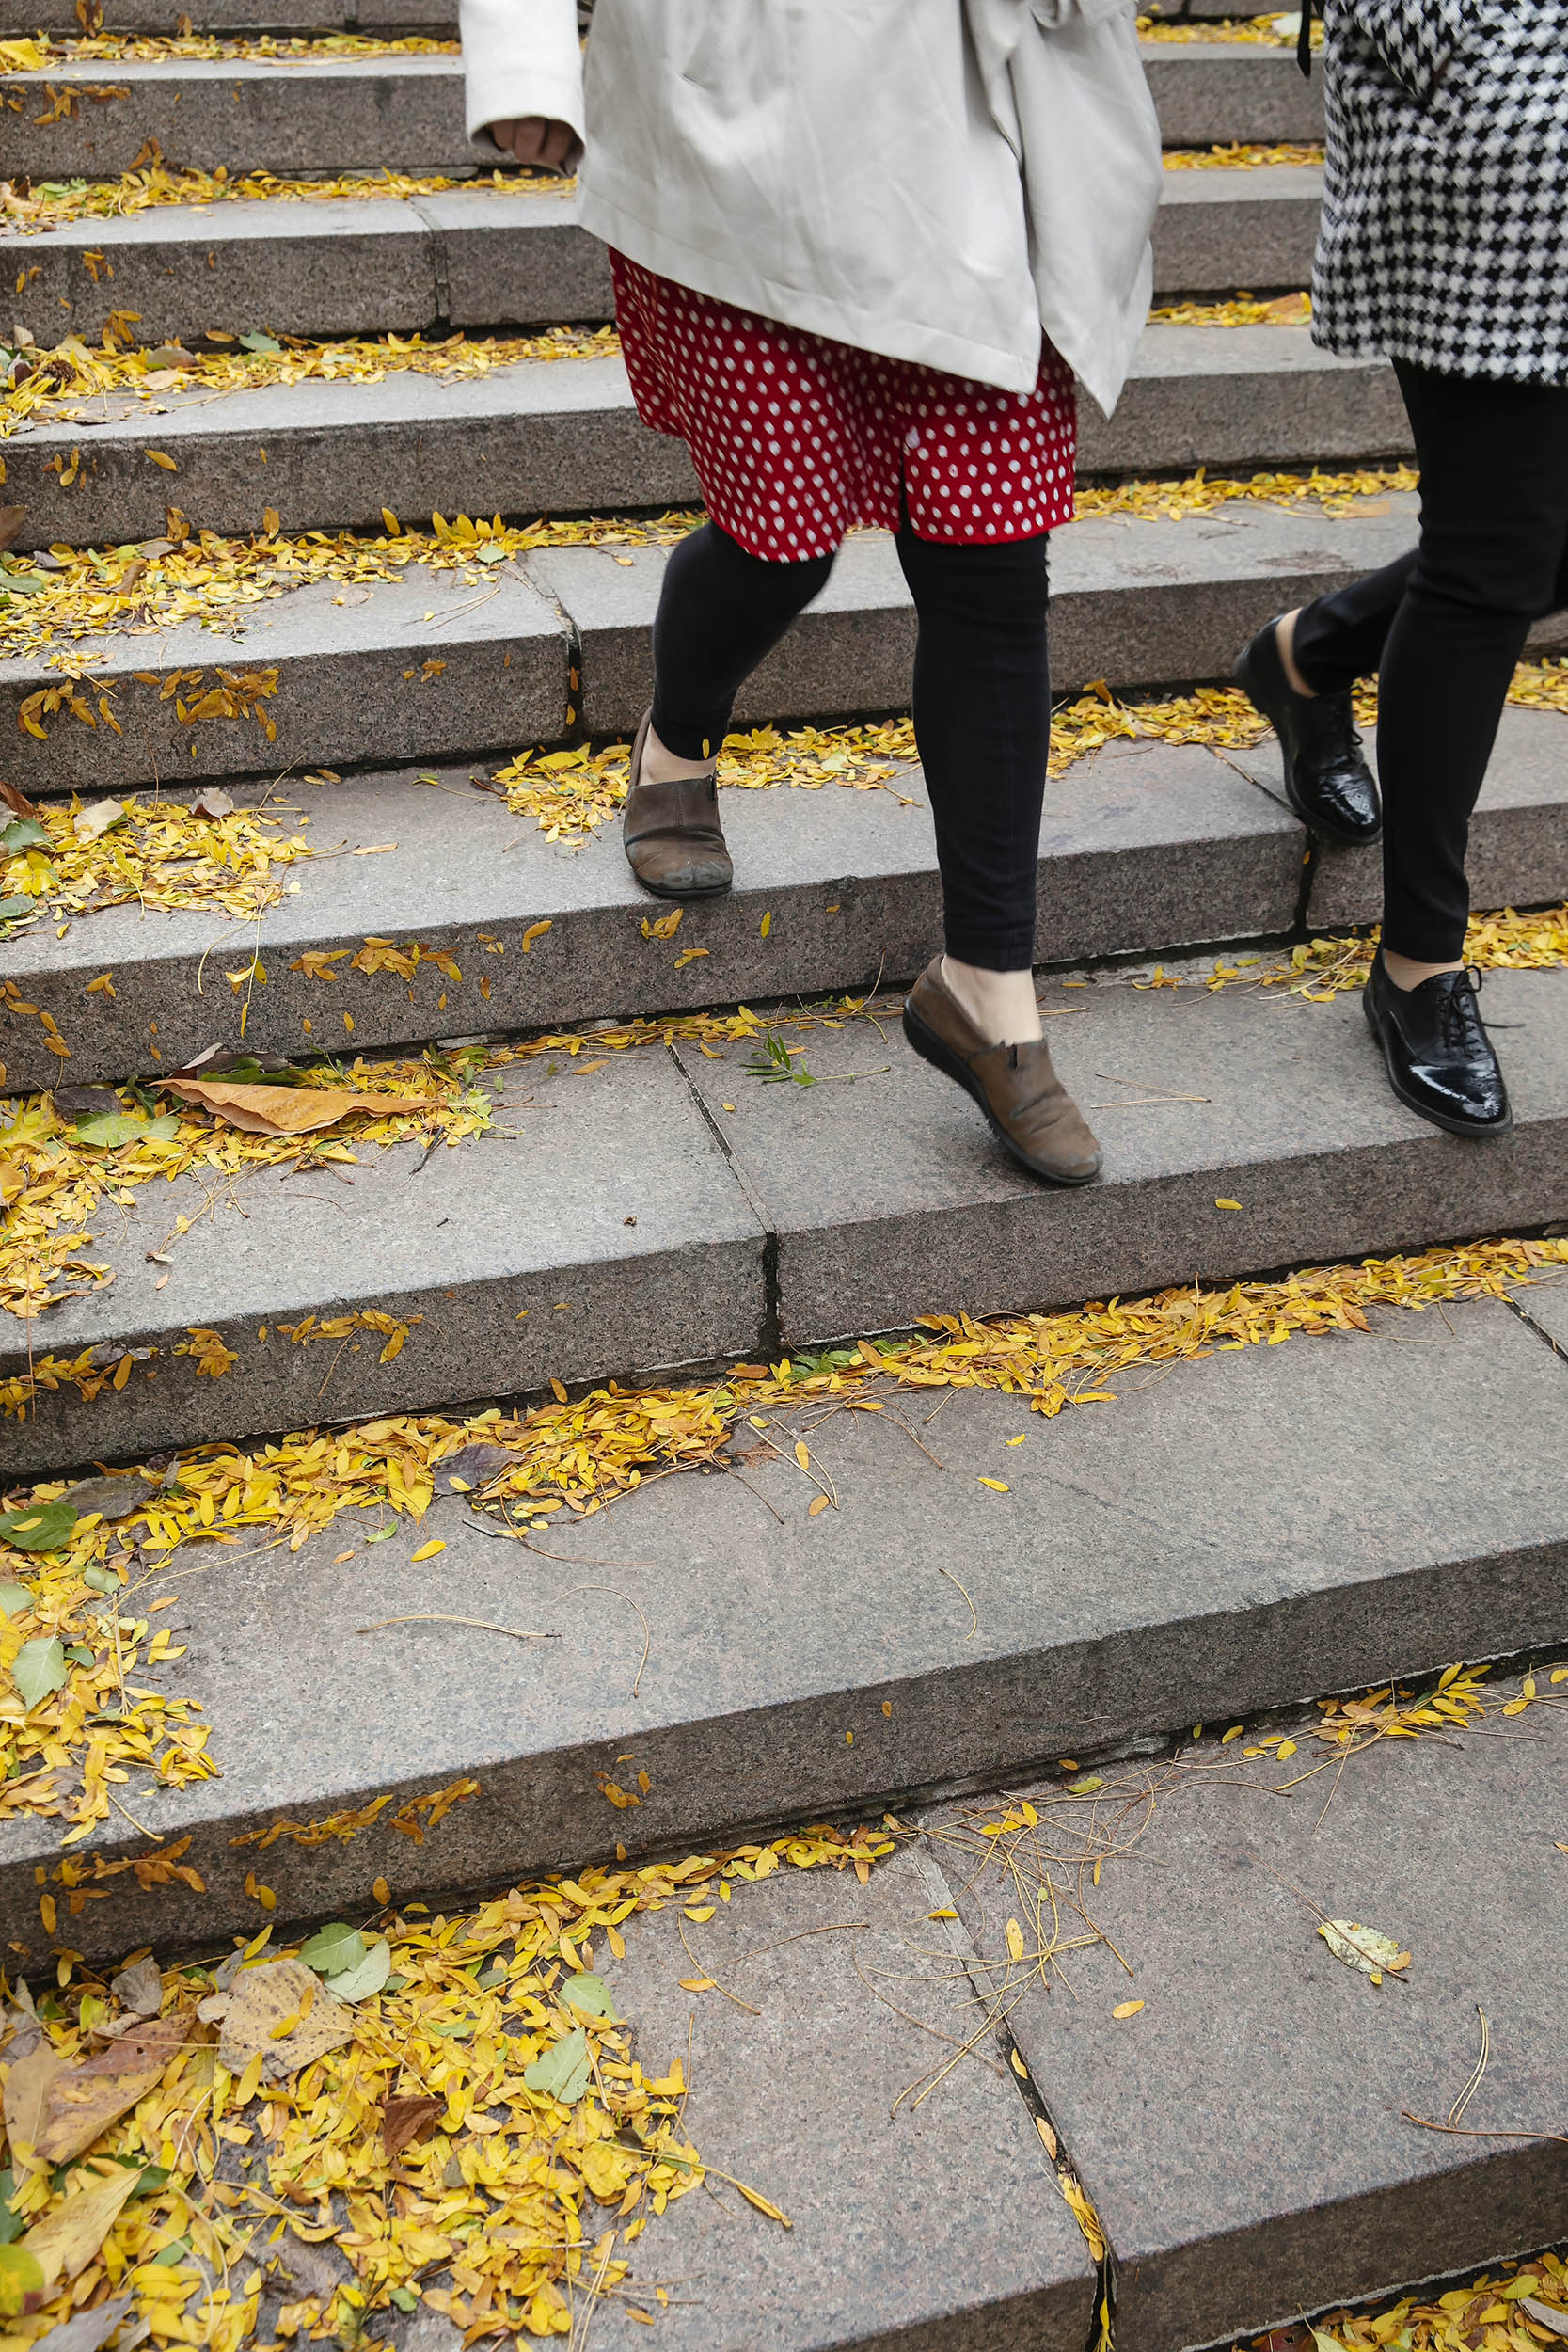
{"x": 1338, "y": 733}
{"x": 1464, "y": 1031}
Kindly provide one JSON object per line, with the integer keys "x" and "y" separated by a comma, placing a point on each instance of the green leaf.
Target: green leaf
{"x": 10, "y": 908}
{"x": 1086, "y": 1787}
{"x": 14, "y": 1598}
{"x": 40, "y": 1668}
{"x": 561, "y": 2071}
{"x": 394, "y": 1983}
{"x": 334, "y": 1950}
{"x": 11, "y": 2224}
{"x": 43, "y": 1527}
{"x": 100, "y": 1579}
{"x": 115, "y": 1127}
{"x": 21, "y": 2288}
{"x": 590, "y": 1994}
{"x": 23, "y": 583}
{"x": 80, "y": 1654}
{"x": 405, "y": 2297}
{"x": 370, "y": 1976}
{"x": 168, "y": 2255}
{"x": 259, "y": 342}
{"x": 24, "y": 833}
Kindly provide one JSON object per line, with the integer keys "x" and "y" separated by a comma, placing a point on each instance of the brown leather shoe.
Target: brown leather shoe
{"x": 673, "y": 841}
{"x": 1027, "y": 1107}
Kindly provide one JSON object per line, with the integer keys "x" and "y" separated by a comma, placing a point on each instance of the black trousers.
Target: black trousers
{"x": 1444, "y": 627}
{"x": 982, "y": 702}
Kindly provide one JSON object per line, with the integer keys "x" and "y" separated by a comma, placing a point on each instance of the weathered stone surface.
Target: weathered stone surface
{"x": 1241, "y": 396}
{"x": 850, "y": 651}
{"x": 1518, "y": 848}
{"x": 1245, "y": 2137}
{"x": 1210, "y": 95}
{"x": 356, "y": 673}
{"x": 888, "y": 1194}
{"x": 246, "y": 16}
{"x": 323, "y": 115}
{"x": 486, "y": 258}
{"x": 562, "y": 436}
{"x": 1227, "y": 1535}
{"x": 516, "y": 259}
{"x": 1136, "y": 602}
{"x": 548, "y": 436}
{"x": 940, "y": 2230}
{"x": 540, "y": 1251}
{"x": 1219, "y": 229}
{"x": 1141, "y": 844}
{"x": 330, "y": 268}
{"x": 352, "y": 114}
{"x": 1546, "y": 1302}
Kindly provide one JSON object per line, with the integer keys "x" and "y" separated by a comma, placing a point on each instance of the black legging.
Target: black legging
{"x": 1443, "y": 628}
{"x": 982, "y": 702}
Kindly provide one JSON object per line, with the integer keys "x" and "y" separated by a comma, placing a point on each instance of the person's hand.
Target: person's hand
{"x": 533, "y": 139}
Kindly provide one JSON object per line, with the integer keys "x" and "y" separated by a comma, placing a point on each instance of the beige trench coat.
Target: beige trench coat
{"x": 936, "y": 180}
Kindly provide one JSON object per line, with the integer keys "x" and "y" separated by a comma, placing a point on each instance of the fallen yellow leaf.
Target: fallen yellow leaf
{"x": 1126, "y": 2008}
{"x": 428, "y": 1551}
{"x": 996, "y": 1485}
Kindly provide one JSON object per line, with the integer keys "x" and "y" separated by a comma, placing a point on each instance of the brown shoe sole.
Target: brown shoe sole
{"x": 930, "y": 1048}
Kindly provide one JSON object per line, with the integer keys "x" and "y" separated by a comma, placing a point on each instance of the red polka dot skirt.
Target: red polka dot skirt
{"x": 795, "y": 438}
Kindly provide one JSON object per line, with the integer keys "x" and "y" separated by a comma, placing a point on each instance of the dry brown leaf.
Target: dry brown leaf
{"x": 28, "y": 2066}
{"x": 18, "y": 803}
{"x": 213, "y": 803}
{"x": 12, "y": 521}
{"x": 404, "y": 2119}
{"x": 140, "y": 1988}
{"x": 68, "y": 2239}
{"x": 282, "y": 2009}
{"x": 85, "y": 2099}
{"x": 262, "y": 1110}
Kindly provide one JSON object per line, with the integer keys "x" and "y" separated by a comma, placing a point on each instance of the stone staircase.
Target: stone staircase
{"x": 1226, "y": 1539}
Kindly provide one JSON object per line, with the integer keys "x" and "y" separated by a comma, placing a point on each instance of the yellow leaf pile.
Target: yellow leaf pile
{"x": 1319, "y": 969}
{"x": 1263, "y": 30}
{"x": 161, "y": 855}
{"x": 37, "y": 55}
{"x": 63, "y": 1756}
{"x": 526, "y": 2201}
{"x": 219, "y": 581}
{"x": 72, "y": 372}
{"x": 570, "y": 793}
{"x": 1489, "y": 2311}
{"x": 1242, "y": 310}
{"x": 55, "y": 203}
{"x": 1238, "y": 156}
{"x": 1199, "y": 494}
{"x": 64, "y": 1181}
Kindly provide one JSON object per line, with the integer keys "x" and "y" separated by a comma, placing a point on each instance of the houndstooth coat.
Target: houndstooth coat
{"x": 1444, "y": 220}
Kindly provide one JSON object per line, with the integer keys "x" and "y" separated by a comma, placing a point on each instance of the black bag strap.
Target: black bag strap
{"x": 1304, "y": 37}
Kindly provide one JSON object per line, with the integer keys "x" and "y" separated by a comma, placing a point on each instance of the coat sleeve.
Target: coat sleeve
{"x": 521, "y": 57}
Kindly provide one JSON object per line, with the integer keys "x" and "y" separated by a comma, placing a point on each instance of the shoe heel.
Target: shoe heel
{"x": 930, "y": 1048}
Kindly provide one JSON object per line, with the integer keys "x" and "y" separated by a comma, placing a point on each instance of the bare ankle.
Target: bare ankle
{"x": 1000, "y": 1003}
{"x": 1284, "y": 638}
{"x": 1406, "y": 973}
{"x": 661, "y": 766}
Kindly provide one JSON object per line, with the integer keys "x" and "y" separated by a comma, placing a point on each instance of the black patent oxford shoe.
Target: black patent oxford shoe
{"x": 1327, "y": 781}
{"x": 1437, "y": 1054}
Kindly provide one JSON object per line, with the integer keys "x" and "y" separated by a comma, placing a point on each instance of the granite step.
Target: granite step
{"x": 1245, "y": 2137}
{"x": 757, "y": 1216}
{"x": 396, "y": 17}
{"x": 488, "y": 257}
{"x": 1222, "y": 1538}
{"x": 1144, "y": 846}
{"x": 443, "y": 665}
{"x": 325, "y": 114}
{"x": 562, "y": 436}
